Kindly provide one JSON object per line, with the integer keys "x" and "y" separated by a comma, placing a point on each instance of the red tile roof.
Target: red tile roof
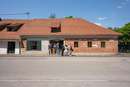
{"x": 74, "y": 26}
{"x": 9, "y": 36}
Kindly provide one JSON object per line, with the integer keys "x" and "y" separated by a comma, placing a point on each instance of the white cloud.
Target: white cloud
{"x": 102, "y": 18}
{"x": 122, "y": 4}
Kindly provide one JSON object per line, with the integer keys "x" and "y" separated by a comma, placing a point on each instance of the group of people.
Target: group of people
{"x": 59, "y": 49}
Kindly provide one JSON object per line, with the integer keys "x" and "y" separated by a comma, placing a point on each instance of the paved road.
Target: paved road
{"x": 64, "y": 72}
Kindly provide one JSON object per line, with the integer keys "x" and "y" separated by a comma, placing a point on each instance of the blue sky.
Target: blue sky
{"x": 109, "y": 13}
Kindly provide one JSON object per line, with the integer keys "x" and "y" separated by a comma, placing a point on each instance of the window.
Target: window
{"x": 33, "y": 45}
{"x": 10, "y": 29}
{"x": 55, "y": 29}
{"x": 103, "y": 44}
{"x": 89, "y": 44}
{"x": 76, "y": 44}
{"x": 11, "y": 47}
{"x": 13, "y": 27}
{"x": 3, "y": 26}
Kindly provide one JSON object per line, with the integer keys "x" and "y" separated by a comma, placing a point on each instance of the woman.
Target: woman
{"x": 54, "y": 48}
{"x": 70, "y": 50}
{"x": 66, "y": 50}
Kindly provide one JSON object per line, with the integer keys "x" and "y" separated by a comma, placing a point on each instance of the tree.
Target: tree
{"x": 69, "y": 17}
{"x": 125, "y": 30}
{"x": 124, "y": 39}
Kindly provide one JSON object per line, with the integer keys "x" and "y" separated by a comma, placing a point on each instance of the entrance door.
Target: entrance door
{"x": 11, "y": 47}
{"x": 60, "y": 47}
{"x": 61, "y": 42}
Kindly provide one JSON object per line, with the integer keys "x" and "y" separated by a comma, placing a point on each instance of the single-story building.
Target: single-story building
{"x": 32, "y": 37}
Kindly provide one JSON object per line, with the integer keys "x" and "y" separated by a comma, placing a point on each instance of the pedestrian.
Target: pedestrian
{"x": 54, "y": 48}
{"x": 70, "y": 50}
{"x": 49, "y": 49}
{"x": 66, "y": 50}
{"x": 57, "y": 49}
{"x": 62, "y": 48}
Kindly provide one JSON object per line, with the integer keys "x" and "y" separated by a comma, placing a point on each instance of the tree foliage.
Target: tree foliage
{"x": 124, "y": 39}
{"x": 69, "y": 17}
{"x": 125, "y": 30}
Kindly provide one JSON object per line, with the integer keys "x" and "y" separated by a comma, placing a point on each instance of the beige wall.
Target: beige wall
{"x": 44, "y": 48}
{"x": 4, "y": 46}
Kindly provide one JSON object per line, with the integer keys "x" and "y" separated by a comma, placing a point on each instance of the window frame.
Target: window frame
{"x": 76, "y": 44}
{"x": 30, "y": 44}
{"x": 89, "y": 45}
{"x": 55, "y": 29}
{"x": 103, "y": 44}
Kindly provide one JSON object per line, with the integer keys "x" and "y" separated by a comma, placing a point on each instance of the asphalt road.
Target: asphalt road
{"x": 64, "y": 72}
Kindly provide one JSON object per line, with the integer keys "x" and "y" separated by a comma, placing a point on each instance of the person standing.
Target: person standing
{"x": 50, "y": 49}
{"x": 70, "y": 50}
{"x": 57, "y": 49}
{"x": 66, "y": 50}
{"x": 61, "y": 49}
{"x": 54, "y": 48}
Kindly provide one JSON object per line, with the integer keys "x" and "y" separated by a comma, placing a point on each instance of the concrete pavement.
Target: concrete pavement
{"x": 64, "y": 72}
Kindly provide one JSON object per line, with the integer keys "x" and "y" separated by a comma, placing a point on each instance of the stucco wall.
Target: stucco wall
{"x": 44, "y": 47}
{"x": 4, "y": 45}
{"x": 45, "y": 44}
{"x": 17, "y": 48}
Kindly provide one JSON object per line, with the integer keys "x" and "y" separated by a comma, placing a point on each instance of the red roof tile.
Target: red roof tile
{"x": 68, "y": 27}
{"x": 9, "y": 35}
{"x": 74, "y": 26}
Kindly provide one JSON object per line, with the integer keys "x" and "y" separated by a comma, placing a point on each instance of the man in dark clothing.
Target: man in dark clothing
{"x": 57, "y": 49}
{"x": 61, "y": 49}
{"x": 50, "y": 46}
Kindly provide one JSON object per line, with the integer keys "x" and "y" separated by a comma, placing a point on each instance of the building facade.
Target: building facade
{"x": 32, "y": 37}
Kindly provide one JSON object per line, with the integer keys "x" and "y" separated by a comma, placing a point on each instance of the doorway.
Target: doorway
{"x": 61, "y": 42}
{"x": 11, "y": 47}
{"x": 56, "y": 47}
